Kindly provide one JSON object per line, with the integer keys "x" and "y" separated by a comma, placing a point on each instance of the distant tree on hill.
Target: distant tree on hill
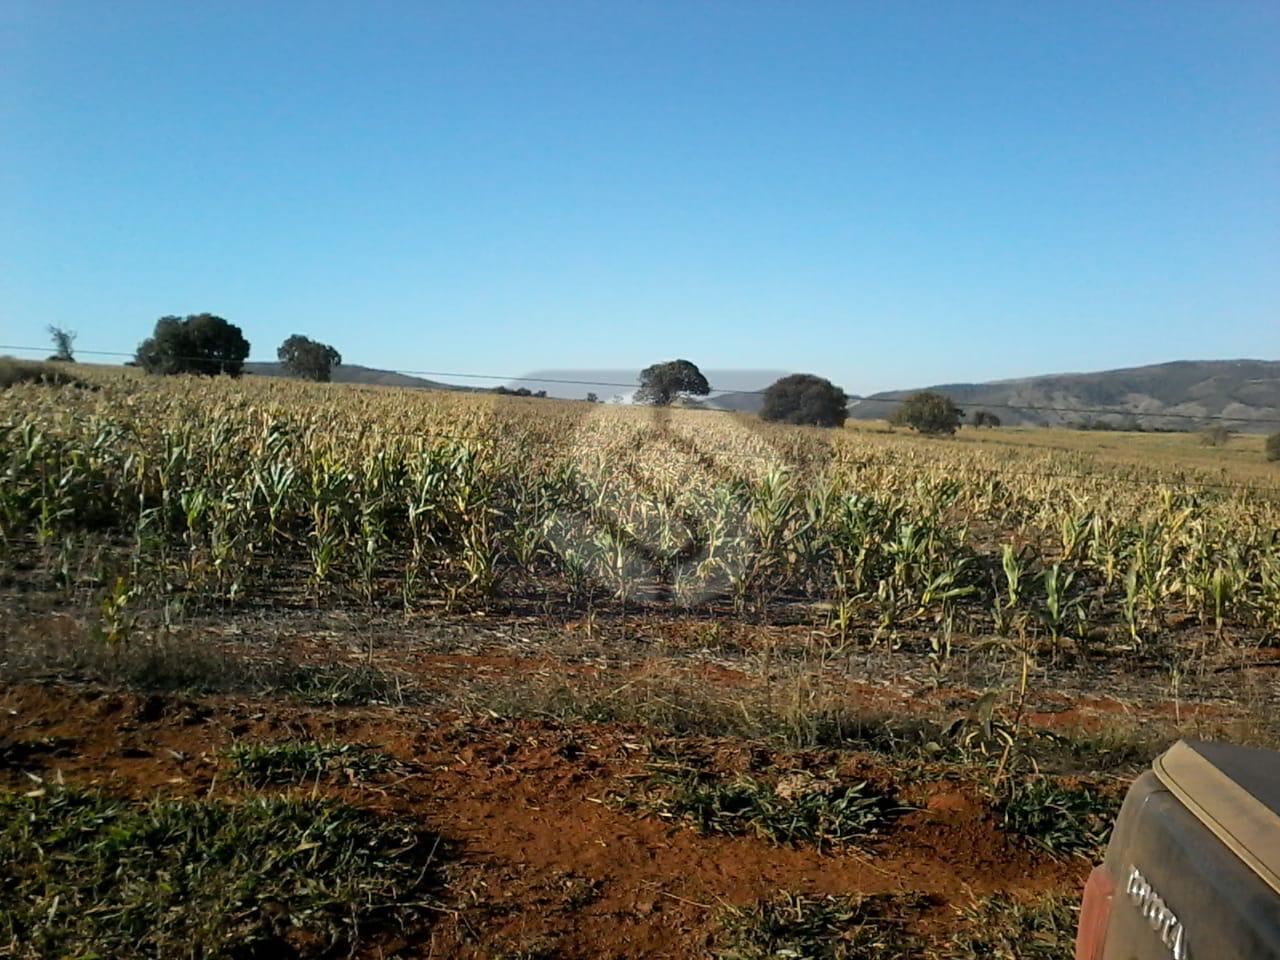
{"x": 1273, "y": 447}
{"x": 803, "y": 398}
{"x": 662, "y": 383}
{"x": 200, "y": 343}
{"x": 984, "y": 418}
{"x": 62, "y": 341}
{"x": 303, "y": 357}
{"x": 592, "y": 398}
{"x": 1215, "y": 436}
{"x": 930, "y": 413}
{"x": 506, "y": 391}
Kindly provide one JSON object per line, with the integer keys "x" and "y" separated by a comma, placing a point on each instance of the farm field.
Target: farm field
{"x": 303, "y": 670}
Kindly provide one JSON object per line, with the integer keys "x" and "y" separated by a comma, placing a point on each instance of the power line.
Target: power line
{"x": 1038, "y": 408}
{"x": 856, "y": 400}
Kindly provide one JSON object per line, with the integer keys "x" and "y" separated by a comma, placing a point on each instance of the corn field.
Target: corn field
{"x": 216, "y": 494}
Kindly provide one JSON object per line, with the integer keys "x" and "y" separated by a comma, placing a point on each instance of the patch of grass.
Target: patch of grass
{"x": 17, "y": 753}
{"x": 337, "y": 685}
{"x": 820, "y": 928}
{"x": 1106, "y": 750}
{"x": 300, "y": 761}
{"x": 13, "y": 372}
{"x": 525, "y": 948}
{"x": 1064, "y": 818}
{"x": 88, "y": 875}
{"x": 673, "y": 705}
{"x": 679, "y": 706}
{"x": 578, "y": 891}
{"x": 1001, "y": 928}
{"x": 163, "y": 663}
{"x": 801, "y": 809}
{"x": 663, "y": 703}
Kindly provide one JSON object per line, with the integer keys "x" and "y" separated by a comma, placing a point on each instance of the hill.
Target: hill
{"x": 1146, "y": 396}
{"x": 354, "y": 373}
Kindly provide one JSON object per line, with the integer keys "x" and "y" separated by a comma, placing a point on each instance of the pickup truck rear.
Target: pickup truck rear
{"x": 1193, "y": 868}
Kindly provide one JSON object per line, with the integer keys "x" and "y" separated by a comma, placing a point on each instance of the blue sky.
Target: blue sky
{"x": 886, "y": 194}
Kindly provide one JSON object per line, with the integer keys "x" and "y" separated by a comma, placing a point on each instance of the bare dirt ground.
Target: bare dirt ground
{"x": 522, "y": 744}
{"x": 525, "y": 807}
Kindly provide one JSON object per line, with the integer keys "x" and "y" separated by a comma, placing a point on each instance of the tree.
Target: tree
{"x": 1273, "y": 447}
{"x": 930, "y": 413}
{"x": 200, "y": 343}
{"x": 592, "y": 398}
{"x": 803, "y": 398}
{"x": 984, "y": 418}
{"x": 662, "y": 383}
{"x": 1215, "y": 436}
{"x": 62, "y": 341}
{"x": 303, "y": 357}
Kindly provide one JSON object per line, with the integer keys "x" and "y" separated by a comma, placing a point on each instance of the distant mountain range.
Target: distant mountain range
{"x": 1145, "y": 396}
{"x": 1137, "y": 397}
{"x": 354, "y": 373}
{"x": 615, "y": 385}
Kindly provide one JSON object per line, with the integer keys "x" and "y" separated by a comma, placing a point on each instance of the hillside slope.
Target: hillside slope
{"x": 354, "y": 373}
{"x": 1245, "y": 389}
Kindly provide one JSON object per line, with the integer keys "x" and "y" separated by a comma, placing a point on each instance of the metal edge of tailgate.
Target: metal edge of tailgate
{"x": 1216, "y": 800}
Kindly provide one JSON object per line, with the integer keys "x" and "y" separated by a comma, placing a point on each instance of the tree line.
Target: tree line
{"x": 209, "y": 345}
{"x": 202, "y": 343}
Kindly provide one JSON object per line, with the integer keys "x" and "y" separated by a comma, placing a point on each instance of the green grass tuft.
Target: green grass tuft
{"x": 818, "y": 811}
{"x": 820, "y": 928}
{"x": 91, "y": 876}
{"x": 299, "y": 761}
{"x": 339, "y": 685}
{"x": 1001, "y": 928}
{"x": 1063, "y": 817}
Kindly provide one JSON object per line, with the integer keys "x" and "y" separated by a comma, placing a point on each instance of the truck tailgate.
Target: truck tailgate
{"x": 1193, "y": 859}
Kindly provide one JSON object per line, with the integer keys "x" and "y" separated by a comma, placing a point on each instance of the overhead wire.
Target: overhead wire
{"x": 729, "y": 391}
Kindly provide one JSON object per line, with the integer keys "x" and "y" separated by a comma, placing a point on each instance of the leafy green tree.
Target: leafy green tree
{"x": 62, "y": 342}
{"x": 1273, "y": 447}
{"x": 803, "y": 398}
{"x": 985, "y": 418}
{"x": 929, "y": 413}
{"x": 662, "y": 383}
{"x": 303, "y": 357}
{"x": 200, "y": 343}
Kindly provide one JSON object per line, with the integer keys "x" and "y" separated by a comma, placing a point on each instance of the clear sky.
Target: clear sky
{"x": 888, "y": 194}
